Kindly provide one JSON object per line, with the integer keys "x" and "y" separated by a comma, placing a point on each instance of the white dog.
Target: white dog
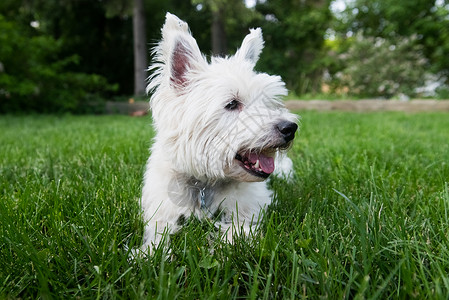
{"x": 219, "y": 127}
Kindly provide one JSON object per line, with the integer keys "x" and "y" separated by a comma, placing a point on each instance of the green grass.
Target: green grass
{"x": 366, "y": 216}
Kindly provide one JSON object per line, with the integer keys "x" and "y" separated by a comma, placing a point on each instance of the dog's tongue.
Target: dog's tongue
{"x": 266, "y": 163}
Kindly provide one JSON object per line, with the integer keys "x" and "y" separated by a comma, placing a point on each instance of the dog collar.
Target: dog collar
{"x": 203, "y": 198}
{"x": 202, "y": 193}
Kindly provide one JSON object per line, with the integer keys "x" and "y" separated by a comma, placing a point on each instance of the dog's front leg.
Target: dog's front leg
{"x": 156, "y": 232}
{"x": 233, "y": 225}
{"x": 242, "y": 206}
{"x": 163, "y": 203}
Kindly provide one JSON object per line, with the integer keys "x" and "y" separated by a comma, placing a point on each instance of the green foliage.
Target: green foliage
{"x": 376, "y": 67}
{"x": 396, "y": 19}
{"x": 294, "y": 41}
{"x": 443, "y": 92}
{"x": 33, "y": 77}
{"x": 366, "y": 215}
{"x": 51, "y": 67}
{"x": 237, "y": 18}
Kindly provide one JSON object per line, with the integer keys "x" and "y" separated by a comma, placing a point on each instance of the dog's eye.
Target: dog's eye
{"x": 233, "y": 105}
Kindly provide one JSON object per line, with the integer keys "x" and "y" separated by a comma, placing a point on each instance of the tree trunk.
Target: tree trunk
{"x": 140, "y": 48}
{"x": 219, "y": 43}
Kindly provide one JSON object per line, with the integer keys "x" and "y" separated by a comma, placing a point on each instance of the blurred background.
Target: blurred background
{"x": 73, "y": 55}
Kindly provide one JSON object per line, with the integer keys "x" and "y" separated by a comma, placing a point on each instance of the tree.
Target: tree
{"x": 135, "y": 8}
{"x": 140, "y": 48}
{"x": 99, "y": 33}
{"x": 219, "y": 38}
{"x": 34, "y": 76}
{"x": 228, "y": 17}
{"x": 427, "y": 20}
{"x": 377, "y": 67}
{"x": 294, "y": 31}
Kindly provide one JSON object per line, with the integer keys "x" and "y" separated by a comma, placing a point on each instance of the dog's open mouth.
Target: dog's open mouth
{"x": 260, "y": 164}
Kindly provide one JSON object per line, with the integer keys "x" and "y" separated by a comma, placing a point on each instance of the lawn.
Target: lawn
{"x": 366, "y": 215}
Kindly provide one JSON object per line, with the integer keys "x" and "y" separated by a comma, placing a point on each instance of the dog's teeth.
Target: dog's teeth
{"x": 256, "y": 165}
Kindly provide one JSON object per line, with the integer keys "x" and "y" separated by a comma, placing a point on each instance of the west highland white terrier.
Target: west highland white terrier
{"x": 220, "y": 127}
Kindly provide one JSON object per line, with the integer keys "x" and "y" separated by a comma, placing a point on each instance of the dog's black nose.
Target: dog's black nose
{"x": 287, "y": 130}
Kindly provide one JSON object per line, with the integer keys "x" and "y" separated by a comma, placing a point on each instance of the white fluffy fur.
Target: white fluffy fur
{"x": 197, "y": 139}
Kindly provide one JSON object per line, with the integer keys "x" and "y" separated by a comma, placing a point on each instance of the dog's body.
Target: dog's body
{"x": 219, "y": 127}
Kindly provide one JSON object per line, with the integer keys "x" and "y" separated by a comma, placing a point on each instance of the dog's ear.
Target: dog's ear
{"x": 182, "y": 60}
{"x": 179, "y": 50}
{"x": 252, "y": 46}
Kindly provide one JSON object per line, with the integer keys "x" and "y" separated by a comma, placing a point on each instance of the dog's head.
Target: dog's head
{"x": 219, "y": 119}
